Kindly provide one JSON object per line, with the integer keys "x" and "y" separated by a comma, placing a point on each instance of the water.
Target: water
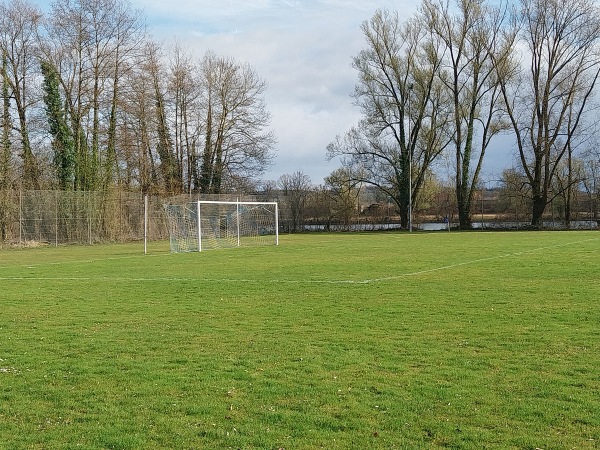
{"x": 440, "y": 226}
{"x": 548, "y": 225}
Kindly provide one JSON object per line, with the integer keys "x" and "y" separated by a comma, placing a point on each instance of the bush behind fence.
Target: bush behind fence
{"x": 66, "y": 217}
{"x": 79, "y": 217}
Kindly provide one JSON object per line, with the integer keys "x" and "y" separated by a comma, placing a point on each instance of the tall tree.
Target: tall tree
{"x": 126, "y": 35}
{"x": 5, "y": 152}
{"x": 471, "y": 34}
{"x": 138, "y": 137}
{"x": 65, "y": 45}
{"x": 89, "y": 42}
{"x": 19, "y": 21}
{"x": 547, "y": 102}
{"x": 185, "y": 90}
{"x": 591, "y": 178}
{"x": 62, "y": 137}
{"x": 5, "y": 143}
{"x": 169, "y": 165}
{"x": 405, "y": 120}
{"x": 236, "y": 140}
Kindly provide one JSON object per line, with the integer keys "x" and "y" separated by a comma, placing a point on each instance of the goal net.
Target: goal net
{"x": 203, "y": 225}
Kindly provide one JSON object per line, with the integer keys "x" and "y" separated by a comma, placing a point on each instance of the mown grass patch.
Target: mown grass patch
{"x": 391, "y": 340}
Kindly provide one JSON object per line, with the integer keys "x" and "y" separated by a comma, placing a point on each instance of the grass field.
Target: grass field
{"x": 334, "y": 341}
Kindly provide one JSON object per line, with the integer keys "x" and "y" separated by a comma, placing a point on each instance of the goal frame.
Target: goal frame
{"x": 238, "y": 204}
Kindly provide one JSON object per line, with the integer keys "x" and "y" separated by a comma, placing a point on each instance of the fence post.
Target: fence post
{"x": 276, "y": 223}
{"x": 199, "y": 226}
{"x": 145, "y": 224}
{"x": 90, "y": 214}
{"x": 56, "y": 218}
{"x": 237, "y": 219}
{"x": 20, "y": 218}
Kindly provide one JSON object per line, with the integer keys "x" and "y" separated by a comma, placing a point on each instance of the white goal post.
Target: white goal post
{"x": 203, "y": 225}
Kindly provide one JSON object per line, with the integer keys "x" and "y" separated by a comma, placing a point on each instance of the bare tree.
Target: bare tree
{"x": 126, "y": 33}
{"x": 64, "y": 46}
{"x": 89, "y": 41}
{"x": 5, "y": 145}
{"x": 344, "y": 193}
{"x": 5, "y": 152}
{"x": 471, "y": 35}
{"x": 236, "y": 142}
{"x": 296, "y": 188}
{"x": 405, "y": 122}
{"x": 515, "y": 193}
{"x": 169, "y": 164}
{"x": 19, "y": 21}
{"x": 186, "y": 93}
{"x": 322, "y": 206}
{"x": 136, "y": 137}
{"x": 547, "y": 103}
{"x": 133, "y": 118}
{"x": 591, "y": 178}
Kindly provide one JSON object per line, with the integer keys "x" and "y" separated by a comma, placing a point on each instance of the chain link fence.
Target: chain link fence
{"x": 32, "y": 218}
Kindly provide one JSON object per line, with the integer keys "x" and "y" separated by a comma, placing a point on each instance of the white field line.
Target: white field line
{"x": 88, "y": 261}
{"x": 480, "y": 260}
{"x": 245, "y": 280}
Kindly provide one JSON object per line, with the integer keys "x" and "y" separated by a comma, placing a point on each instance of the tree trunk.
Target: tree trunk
{"x": 464, "y": 213}
{"x": 569, "y": 194}
{"x": 207, "y": 156}
{"x": 403, "y": 201}
{"x": 538, "y": 208}
{"x": 30, "y": 167}
{"x": 6, "y": 128}
{"x": 110, "y": 164}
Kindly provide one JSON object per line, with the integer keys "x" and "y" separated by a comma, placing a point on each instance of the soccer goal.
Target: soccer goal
{"x": 203, "y": 225}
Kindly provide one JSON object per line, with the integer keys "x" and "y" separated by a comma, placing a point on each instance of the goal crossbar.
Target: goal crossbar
{"x": 205, "y": 224}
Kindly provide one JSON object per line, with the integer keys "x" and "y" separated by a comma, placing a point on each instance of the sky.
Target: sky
{"x": 302, "y": 48}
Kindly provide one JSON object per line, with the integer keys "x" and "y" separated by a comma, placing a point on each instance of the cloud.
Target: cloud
{"x": 303, "y": 49}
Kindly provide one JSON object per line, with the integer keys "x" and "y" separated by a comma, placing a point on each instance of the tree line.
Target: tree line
{"x": 90, "y": 101}
{"x": 339, "y": 204}
{"x": 440, "y": 86}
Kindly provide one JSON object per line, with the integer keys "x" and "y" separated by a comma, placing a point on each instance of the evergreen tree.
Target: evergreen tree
{"x": 62, "y": 136}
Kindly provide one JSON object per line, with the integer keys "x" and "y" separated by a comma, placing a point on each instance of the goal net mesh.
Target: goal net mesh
{"x": 206, "y": 225}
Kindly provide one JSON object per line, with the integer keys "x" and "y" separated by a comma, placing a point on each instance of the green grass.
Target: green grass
{"x": 341, "y": 341}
